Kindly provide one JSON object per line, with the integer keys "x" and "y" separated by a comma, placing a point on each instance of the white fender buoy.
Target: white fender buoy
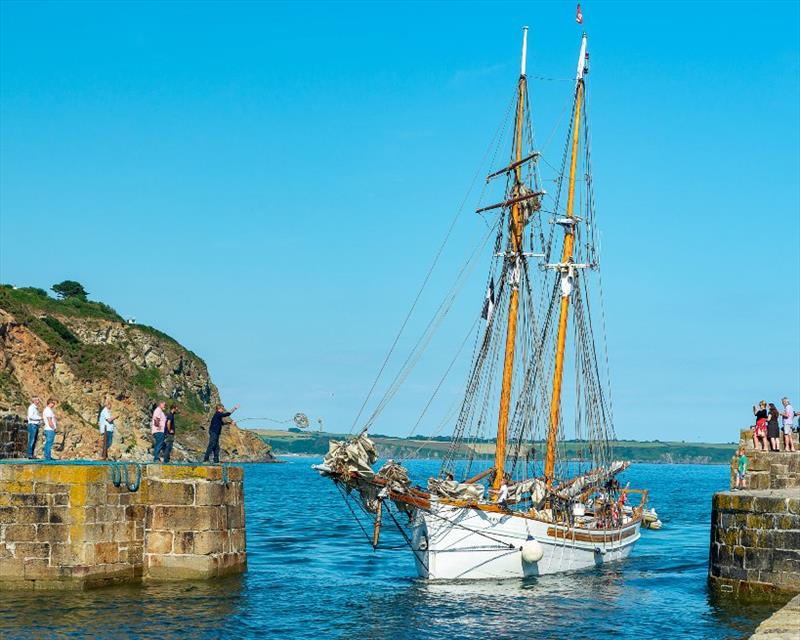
{"x": 532, "y": 551}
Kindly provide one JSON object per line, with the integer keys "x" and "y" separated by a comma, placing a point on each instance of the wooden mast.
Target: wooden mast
{"x": 516, "y": 226}
{"x": 566, "y": 258}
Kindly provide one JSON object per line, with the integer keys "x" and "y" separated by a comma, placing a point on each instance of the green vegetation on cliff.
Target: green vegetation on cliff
{"x": 22, "y": 301}
{"x": 26, "y": 305}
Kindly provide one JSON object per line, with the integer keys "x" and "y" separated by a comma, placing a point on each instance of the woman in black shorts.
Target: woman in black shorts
{"x": 773, "y": 431}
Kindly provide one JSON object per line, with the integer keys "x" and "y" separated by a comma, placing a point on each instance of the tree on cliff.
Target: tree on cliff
{"x": 70, "y": 289}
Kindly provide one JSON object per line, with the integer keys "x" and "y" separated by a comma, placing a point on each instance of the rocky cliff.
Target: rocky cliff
{"x": 81, "y": 353}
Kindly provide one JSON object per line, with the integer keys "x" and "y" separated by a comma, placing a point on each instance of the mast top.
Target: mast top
{"x": 524, "y": 51}
{"x": 581, "y": 60}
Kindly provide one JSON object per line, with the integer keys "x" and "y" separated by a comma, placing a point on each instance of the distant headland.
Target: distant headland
{"x": 297, "y": 441}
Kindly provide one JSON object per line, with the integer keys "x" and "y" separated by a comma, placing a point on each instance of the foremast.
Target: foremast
{"x": 516, "y": 226}
{"x": 567, "y": 269}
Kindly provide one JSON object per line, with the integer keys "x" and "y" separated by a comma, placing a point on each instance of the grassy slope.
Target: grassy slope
{"x": 317, "y": 443}
{"x": 33, "y": 308}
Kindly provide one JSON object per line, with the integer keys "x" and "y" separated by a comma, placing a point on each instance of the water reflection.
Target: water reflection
{"x": 174, "y": 610}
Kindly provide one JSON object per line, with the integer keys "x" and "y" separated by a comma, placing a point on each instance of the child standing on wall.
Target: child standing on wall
{"x": 741, "y": 482}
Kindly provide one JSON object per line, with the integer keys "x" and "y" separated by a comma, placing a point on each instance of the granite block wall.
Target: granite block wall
{"x": 755, "y": 533}
{"x": 66, "y": 526}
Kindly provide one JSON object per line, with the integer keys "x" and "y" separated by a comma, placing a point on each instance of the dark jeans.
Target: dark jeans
{"x": 107, "y": 438}
{"x": 33, "y": 431}
{"x": 49, "y": 437}
{"x": 158, "y": 445}
{"x": 213, "y": 446}
{"x": 169, "y": 440}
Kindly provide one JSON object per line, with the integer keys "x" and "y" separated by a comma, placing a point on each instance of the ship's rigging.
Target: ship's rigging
{"x": 536, "y": 347}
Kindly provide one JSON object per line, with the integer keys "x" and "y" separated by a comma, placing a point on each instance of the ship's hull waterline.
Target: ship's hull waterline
{"x": 453, "y": 543}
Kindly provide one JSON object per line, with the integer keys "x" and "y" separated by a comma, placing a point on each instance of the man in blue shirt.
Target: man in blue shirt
{"x": 214, "y": 431}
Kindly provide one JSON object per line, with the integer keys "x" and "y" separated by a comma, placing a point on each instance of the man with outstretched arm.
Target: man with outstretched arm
{"x": 214, "y": 431}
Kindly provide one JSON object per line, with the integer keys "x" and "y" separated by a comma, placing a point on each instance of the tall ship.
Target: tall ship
{"x": 543, "y": 503}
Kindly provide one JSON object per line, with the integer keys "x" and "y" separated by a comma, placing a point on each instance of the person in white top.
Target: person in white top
{"x": 106, "y": 424}
{"x": 34, "y": 421}
{"x": 502, "y": 495}
{"x": 788, "y": 420}
{"x": 50, "y": 426}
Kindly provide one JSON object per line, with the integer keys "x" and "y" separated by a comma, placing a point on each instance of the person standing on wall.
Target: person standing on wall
{"x": 157, "y": 426}
{"x": 760, "y": 428}
{"x": 169, "y": 433}
{"x": 106, "y": 424}
{"x": 788, "y": 420}
{"x": 773, "y": 430}
{"x": 214, "y": 431}
{"x": 34, "y": 420}
{"x": 50, "y": 426}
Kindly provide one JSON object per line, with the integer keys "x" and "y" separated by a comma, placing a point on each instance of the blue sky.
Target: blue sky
{"x": 268, "y": 182}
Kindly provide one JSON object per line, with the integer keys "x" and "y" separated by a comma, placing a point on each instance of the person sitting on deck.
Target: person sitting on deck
{"x": 502, "y": 495}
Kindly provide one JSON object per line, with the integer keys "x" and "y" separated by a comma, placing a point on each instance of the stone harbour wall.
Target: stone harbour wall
{"x": 755, "y": 542}
{"x": 66, "y": 526}
{"x": 755, "y": 533}
{"x": 194, "y": 526}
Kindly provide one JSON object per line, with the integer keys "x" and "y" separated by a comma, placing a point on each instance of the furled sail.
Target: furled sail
{"x": 352, "y": 456}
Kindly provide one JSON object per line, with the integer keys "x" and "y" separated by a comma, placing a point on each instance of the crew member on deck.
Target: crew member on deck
{"x": 502, "y": 496}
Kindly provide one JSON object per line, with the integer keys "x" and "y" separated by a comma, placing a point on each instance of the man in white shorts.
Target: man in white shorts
{"x": 788, "y": 420}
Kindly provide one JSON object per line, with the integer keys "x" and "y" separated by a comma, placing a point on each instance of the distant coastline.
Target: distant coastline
{"x": 315, "y": 443}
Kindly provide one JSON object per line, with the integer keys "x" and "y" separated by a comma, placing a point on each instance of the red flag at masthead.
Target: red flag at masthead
{"x": 578, "y": 14}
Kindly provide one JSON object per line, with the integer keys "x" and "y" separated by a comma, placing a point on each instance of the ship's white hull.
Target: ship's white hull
{"x": 452, "y": 543}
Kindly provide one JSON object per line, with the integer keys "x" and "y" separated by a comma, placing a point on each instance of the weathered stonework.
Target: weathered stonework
{"x": 68, "y": 526}
{"x": 755, "y": 533}
{"x": 13, "y": 436}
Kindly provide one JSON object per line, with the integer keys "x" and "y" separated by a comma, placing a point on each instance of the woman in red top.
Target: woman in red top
{"x": 760, "y": 430}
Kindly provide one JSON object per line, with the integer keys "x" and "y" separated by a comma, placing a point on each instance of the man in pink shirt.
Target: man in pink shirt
{"x": 157, "y": 425}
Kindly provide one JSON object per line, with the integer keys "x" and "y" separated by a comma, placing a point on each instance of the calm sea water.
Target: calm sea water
{"x": 313, "y": 575}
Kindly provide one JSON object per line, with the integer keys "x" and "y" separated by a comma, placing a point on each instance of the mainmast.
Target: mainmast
{"x": 567, "y": 269}
{"x": 517, "y": 224}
